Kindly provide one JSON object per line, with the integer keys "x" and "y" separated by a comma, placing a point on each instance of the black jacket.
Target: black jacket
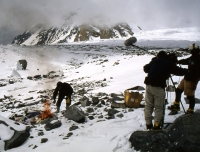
{"x": 193, "y": 63}
{"x": 159, "y": 70}
{"x": 64, "y": 89}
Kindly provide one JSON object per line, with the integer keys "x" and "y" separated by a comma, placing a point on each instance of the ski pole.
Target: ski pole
{"x": 175, "y": 88}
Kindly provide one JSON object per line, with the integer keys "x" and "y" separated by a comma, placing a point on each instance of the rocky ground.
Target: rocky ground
{"x": 95, "y": 107}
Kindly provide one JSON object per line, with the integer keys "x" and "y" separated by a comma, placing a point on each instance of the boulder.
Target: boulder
{"x": 75, "y": 113}
{"x": 13, "y": 134}
{"x": 150, "y": 141}
{"x": 23, "y": 64}
{"x": 52, "y": 125}
{"x": 182, "y": 135}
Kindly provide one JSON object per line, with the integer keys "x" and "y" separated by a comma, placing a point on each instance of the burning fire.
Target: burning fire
{"x": 47, "y": 111}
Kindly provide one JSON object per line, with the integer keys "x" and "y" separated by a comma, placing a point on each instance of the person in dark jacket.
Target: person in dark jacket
{"x": 64, "y": 90}
{"x": 159, "y": 70}
{"x": 189, "y": 83}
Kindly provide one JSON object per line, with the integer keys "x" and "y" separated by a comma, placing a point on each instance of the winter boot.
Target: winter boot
{"x": 191, "y": 104}
{"x": 190, "y": 111}
{"x": 157, "y": 126}
{"x": 175, "y": 106}
{"x": 58, "y": 110}
{"x": 149, "y": 127}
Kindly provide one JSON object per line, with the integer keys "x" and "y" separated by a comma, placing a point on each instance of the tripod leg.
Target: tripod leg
{"x": 164, "y": 106}
{"x": 180, "y": 100}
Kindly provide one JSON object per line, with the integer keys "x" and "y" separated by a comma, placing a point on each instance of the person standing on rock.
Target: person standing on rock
{"x": 159, "y": 70}
{"x": 189, "y": 83}
{"x": 62, "y": 90}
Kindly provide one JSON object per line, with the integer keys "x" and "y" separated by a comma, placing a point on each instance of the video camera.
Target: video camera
{"x": 172, "y": 57}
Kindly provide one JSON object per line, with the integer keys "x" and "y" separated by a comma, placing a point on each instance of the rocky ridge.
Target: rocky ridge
{"x": 71, "y": 33}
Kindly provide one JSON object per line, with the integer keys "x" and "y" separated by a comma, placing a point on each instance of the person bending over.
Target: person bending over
{"x": 62, "y": 90}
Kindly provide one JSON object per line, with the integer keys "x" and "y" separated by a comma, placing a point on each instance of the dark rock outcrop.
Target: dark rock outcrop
{"x": 182, "y": 135}
{"x": 18, "y": 138}
{"x": 21, "y": 38}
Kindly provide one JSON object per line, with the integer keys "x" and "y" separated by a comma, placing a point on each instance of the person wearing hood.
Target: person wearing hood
{"x": 189, "y": 83}
{"x": 158, "y": 71}
{"x": 62, "y": 90}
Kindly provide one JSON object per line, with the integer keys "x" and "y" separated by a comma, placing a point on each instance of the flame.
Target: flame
{"x": 47, "y": 111}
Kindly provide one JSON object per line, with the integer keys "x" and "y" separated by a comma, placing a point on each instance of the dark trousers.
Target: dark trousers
{"x": 61, "y": 97}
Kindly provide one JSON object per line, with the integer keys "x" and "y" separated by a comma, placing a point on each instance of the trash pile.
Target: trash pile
{"x": 34, "y": 117}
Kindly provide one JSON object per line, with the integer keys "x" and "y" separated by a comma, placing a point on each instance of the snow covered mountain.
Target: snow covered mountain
{"x": 39, "y": 35}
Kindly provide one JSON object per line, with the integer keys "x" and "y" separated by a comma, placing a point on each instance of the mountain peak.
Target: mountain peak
{"x": 39, "y": 35}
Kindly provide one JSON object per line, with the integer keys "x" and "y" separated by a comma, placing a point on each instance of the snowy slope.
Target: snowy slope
{"x": 83, "y": 62}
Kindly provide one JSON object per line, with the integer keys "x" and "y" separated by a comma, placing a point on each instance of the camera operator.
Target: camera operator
{"x": 189, "y": 83}
{"x": 159, "y": 70}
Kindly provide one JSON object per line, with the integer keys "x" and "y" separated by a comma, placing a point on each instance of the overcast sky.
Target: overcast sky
{"x": 17, "y": 16}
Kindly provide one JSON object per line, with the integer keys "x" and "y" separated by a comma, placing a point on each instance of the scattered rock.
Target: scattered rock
{"x": 120, "y": 115}
{"x": 112, "y": 112}
{"x": 101, "y": 116}
{"x": 130, "y": 110}
{"x": 91, "y": 117}
{"x": 29, "y": 98}
{"x": 43, "y": 140}
{"x": 89, "y": 110}
{"x": 118, "y": 105}
{"x": 95, "y": 100}
{"x": 73, "y": 127}
{"x": 102, "y": 102}
{"x": 99, "y": 105}
{"x": 37, "y": 77}
{"x": 40, "y": 133}
{"x": 35, "y": 146}
{"x": 52, "y": 125}
{"x": 30, "y": 77}
{"x": 69, "y": 134}
{"x": 110, "y": 117}
{"x": 85, "y": 101}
